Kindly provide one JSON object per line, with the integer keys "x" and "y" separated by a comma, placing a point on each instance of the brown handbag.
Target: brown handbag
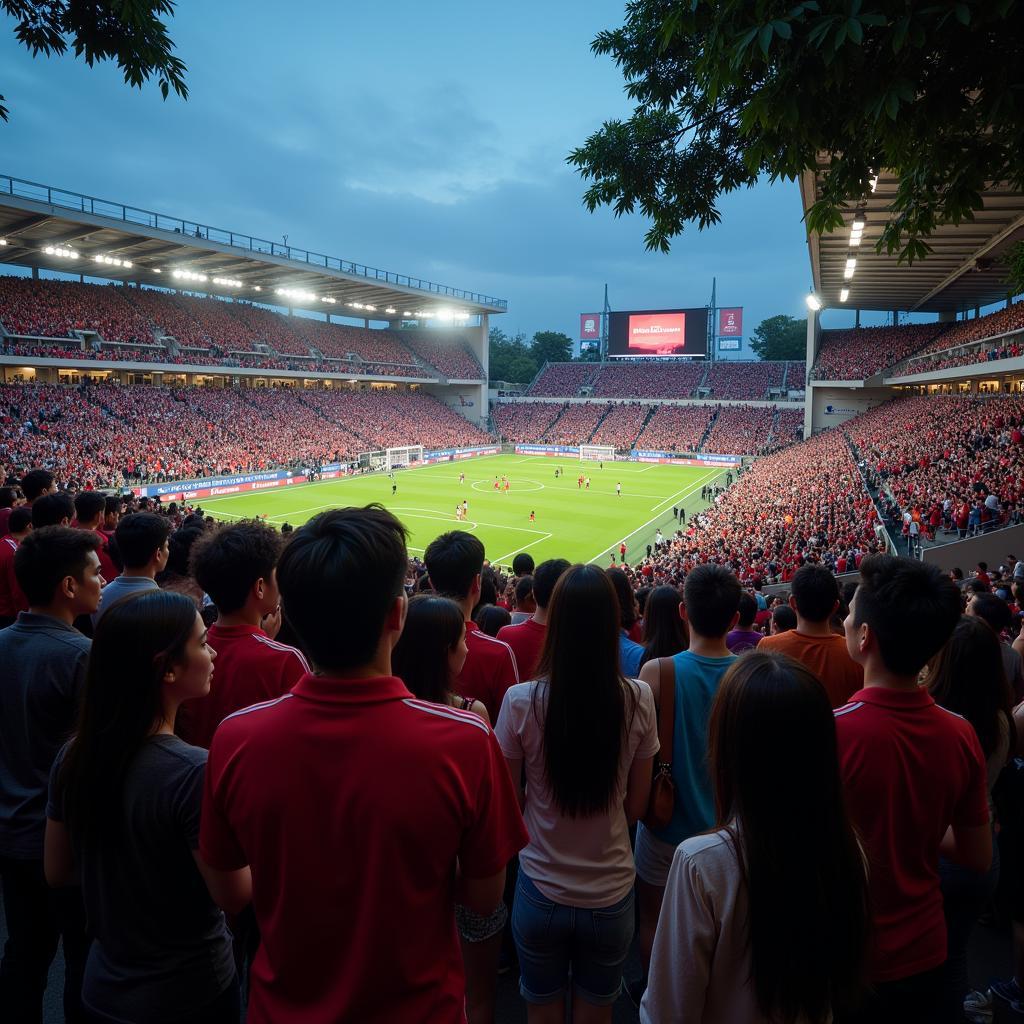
{"x": 661, "y": 805}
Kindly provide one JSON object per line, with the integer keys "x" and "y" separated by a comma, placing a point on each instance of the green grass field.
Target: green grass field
{"x": 571, "y": 523}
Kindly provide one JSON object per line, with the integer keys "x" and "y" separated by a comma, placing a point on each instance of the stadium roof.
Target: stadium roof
{"x": 963, "y": 270}
{"x": 96, "y": 237}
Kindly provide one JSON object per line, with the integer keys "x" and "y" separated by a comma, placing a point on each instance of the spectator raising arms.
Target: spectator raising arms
{"x": 123, "y": 815}
{"x": 765, "y": 919}
{"x": 585, "y": 737}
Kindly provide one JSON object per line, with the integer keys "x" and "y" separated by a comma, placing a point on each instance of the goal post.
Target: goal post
{"x": 597, "y": 453}
{"x": 409, "y": 455}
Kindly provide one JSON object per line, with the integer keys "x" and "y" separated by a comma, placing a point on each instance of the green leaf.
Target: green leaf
{"x": 963, "y": 14}
{"x": 764, "y": 38}
{"x": 782, "y": 29}
{"x": 855, "y": 30}
{"x": 892, "y": 105}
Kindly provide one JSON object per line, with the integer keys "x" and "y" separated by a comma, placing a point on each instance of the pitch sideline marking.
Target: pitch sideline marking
{"x": 501, "y": 558}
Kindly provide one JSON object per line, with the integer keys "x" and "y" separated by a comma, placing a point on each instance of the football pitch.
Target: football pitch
{"x": 570, "y": 522}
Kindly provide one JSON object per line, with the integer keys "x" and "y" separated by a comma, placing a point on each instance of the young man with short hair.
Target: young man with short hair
{"x": 914, "y": 779}
{"x": 455, "y": 561}
{"x": 44, "y": 659}
{"x": 711, "y": 597}
{"x": 363, "y": 813}
{"x": 36, "y": 483}
{"x": 54, "y": 509}
{"x": 140, "y": 543}
{"x": 11, "y": 497}
{"x": 744, "y": 637}
{"x": 12, "y": 597}
{"x": 527, "y": 638}
{"x": 526, "y": 604}
{"x": 815, "y": 599}
{"x": 237, "y": 567}
{"x": 90, "y": 507}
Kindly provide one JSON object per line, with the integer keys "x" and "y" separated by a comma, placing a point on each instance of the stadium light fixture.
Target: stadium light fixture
{"x": 258, "y": 288}
{"x": 844, "y": 294}
{"x": 112, "y": 261}
{"x": 3, "y": 241}
{"x": 407, "y": 313}
{"x": 390, "y": 310}
{"x": 874, "y": 182}
{"x": 63, "y": 251}
{"x": 157, "y": 270}
{"x": 372, "y": 309}
{"x": 296, "y": 293}
{"x": 859, "y": 224}
{"x": 227, "y": 282}
{"x": 327, "y": 298}
{"x": 813, "y": 302}
{"x": 851, "y": 266}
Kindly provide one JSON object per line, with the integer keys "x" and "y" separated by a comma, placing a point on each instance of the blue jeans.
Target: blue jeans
{"x": 552, "y": 938}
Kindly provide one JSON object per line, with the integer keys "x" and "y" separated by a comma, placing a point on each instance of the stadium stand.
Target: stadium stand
{"x": 576, "y": 424}
{"x": 525, "y": 422}
{"x": 452, "y": 359}
{"x": 733, "y": 380}
{"x": 622, "y": 424}
{"x": 644, "y": 379}
{"x": 562, "y": 380}
{"x": 858, "y": 353}
{"x": 676, "y": 428}
{"x": 740, "y": 430}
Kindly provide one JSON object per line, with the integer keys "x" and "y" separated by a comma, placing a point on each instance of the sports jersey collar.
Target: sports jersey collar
{"x": 884, "y": 697}
{"x": 338, "y": 690}
{"x": 471, "y": 626}
{"x": 243, "y": 629}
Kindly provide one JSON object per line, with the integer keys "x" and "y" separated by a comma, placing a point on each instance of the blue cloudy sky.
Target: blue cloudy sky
{"x": 425, "y": 138}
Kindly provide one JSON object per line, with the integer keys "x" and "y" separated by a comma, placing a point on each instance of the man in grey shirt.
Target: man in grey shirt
{"x": 140, "y": 544}
{"x": 44, "y": 659}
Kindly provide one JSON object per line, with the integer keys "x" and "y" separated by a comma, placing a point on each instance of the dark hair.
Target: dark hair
{"x": 52, "y": 509}
{"x": 89, "y": 505}
{"x": 665, "y": 632}
{"x": 433, "y": 626}
{"x": 35, "y": 481}
{"x": 815, "y": 592}
{"x": 19, "y": 519}
{"x": 491, "y": 617}
{"x": 454, "y": 560}
{"x": 545, "y": 576}
{"x": 339, "y": 576}
{"x": 747, "y": 609}
{"x": 772, "y": 751}
{"x": 8, "y": 495}
{"x": 227, "y": 562}
{"x": 488, "y": 588}
{"x": 179, "y": 544}
{"x": 587, "y": 715}
{"x": 522, "y": 564}
{"x": 711, "y": 595}
{"x": 47, "y": 556}
{"x": 524, "y": 589}
{"x": 967, "y": 676}
{"x": 993, "y": 610}
{"x": 138, "y": 640}
{"x": 624, "y": 592}
{"x": 111, "y": 505}
{"x": 957, "y": 573}
{"x": 911, "y": 608}
{"x": 138, "y": 537}
{"x": 784, "y": 617}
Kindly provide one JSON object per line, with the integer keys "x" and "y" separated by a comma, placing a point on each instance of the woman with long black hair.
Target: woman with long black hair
{"x": 586, "y": 737}
{"x": 765, "y": 920}
{"x": 125, "y": 797}
{"x": 665, "y": 629}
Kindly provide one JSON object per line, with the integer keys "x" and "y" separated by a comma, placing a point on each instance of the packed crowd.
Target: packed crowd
{"x": 992, "y": 325}
{"x": 748, "y": 379}
{"x": 452, "y": 359}
{"x": 740, "y": 429}
{"x": 563, "y": 380}
{"x": 858, "y": 353}
{"x": 576, "y": 424}
{"x": 647, "y": 379}
{"x": 525, "y": 422}
{"x": 213, "y": 737}
{"x": 622, "y": 424}
{"x": 676, "y": 428}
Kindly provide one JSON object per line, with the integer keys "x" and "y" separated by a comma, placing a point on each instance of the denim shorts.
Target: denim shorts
{"x": 653, "y": 857}
{"x": 551, "y": 938}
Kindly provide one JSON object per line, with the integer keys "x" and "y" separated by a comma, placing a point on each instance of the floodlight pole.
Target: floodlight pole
{"x": 604, "y": 326}
{"x": 711, "y": 318}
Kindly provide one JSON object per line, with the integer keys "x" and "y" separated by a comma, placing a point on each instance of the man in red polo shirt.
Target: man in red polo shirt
{"x": 353, "y": 815}
{"x": 454, "y": 563}
{"x": 527, "y": 638}
{"x": 914, "y": 779}
{"x": 236, "y": 566}
{"x": 12, "y": 597}
{"x": 90, "y": 507}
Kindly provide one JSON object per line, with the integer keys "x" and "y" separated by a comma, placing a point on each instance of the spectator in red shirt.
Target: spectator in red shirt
{"x": 455, "y": 561}
{"x": 914, "y": 778}
{"x": 237, "y": 567}
{"x": 10, "y": 498}
{"x": 89, "y": 512}
{"x": 12, "y": 597}
{"x": 527, "y": 638}
{"x": 36, "y": 483}
{"x": 363, "y": 812}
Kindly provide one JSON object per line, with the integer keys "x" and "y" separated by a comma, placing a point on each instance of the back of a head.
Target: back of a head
{"x": 339, "y": 577}
{"x": 49, "y": 555}
{"x": 627, "y": 599}
{"x": 138, "y": 537}
{"x": 491, "y": 617}
{"x": 52, "y": 509}
{"x": 815, "y": 592}
{"x": 522, "y": 564}
{"x": 773, "y": 758}
{"x": 545, "y": 576}
{"x": 35, "y": 483}
{"x": 993, "y": 610}
{"x": 454, "y": 560}
{"x": 228, "y": 561}
{"x": 524, "y": 590}
{"x": 910, "y": 607}
{"x": 665, "y": 632}
{"x": 747, "y": 609}
{"x": 711, "y": 595}
{"x": 20, "y": 519}
{"x": 89, "y": 506}
{"x": 784, "y": 618}
{"x": 432, "y": 629}
{"x": 8, "y": 496}
{"x": 180, "y": 545}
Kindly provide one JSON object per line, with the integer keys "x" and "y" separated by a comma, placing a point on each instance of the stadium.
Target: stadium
{"x": 349, "y": 682}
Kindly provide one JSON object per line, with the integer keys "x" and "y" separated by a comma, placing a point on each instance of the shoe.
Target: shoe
{"x": 1009, "y": 991}
{"x": 978, "y": 1008}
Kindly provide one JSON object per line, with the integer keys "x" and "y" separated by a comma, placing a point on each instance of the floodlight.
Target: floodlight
{"x": 844, "y": 294}
{"x": 813, "y": 302}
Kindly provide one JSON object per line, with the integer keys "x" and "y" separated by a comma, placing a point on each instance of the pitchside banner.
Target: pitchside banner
{"x": 590, "y": 326}
{"x": 730, "y": 322}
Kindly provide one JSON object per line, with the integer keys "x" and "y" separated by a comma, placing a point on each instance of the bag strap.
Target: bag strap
{"x": 666, "y": 708}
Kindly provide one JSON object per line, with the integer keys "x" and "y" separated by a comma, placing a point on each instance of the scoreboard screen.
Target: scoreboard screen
{"x": 658, "y": 333}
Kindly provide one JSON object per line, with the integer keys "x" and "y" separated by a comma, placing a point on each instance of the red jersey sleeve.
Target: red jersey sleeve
{"x": 218, "y": 845}
{"x": 496, "y": 832}
{"x": 972, "y": 809}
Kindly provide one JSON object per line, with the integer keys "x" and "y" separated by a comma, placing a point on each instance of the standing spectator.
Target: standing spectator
{"x": 36, "y": 483}
{"x": 631, "y": 654}
{"x": 744, "y": 637}
{"x": 237, "y": 566}
{"x": 765, "y": 919}
{"x": 325, "y": 791}
{"x": 967, "y": 677}
{"x": 711, "y": 596}
{"x": 995, "y": 613}
{"x": 161, "y": 951}
{"x": 455, "y": 561}
{"x": 783, "y": 620}
{"x": 141, "y": 546}
{"x": 585, "y": 737}
{"x": 44, "y": 667}
{"x": 11, "y": 498}
{"x": 815, "y": 599}
{"x": 901, "y": 615}
{"x": 665, "y": 630}
{"x": 12, "y": 597}
{"x": 89, "y": 512}
{"x": 54, "y": 509}
{"x": 525, "y": 604}
{"x": 527, "y": 638}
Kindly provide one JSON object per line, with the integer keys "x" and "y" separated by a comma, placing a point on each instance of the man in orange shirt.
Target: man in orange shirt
{"x": 815, "y": 598}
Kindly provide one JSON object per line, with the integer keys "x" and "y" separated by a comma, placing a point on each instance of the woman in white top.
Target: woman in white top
{"x": 586, "y": 738}
{"x": 765, "y": 920}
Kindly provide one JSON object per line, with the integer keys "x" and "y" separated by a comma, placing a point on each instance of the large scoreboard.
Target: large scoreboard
{"x": 658, "y": 333}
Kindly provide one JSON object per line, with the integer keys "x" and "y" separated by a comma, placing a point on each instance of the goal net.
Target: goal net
{"x": 597, "y": 453}
{"x": 407, "y": 456}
